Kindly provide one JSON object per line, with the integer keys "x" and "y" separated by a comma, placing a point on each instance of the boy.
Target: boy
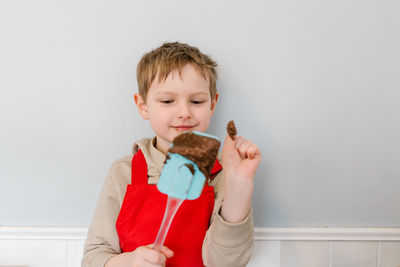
{"x": 177, "y": 93}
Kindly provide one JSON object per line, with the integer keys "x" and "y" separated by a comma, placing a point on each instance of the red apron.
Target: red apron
{"x": 143, "y": 209}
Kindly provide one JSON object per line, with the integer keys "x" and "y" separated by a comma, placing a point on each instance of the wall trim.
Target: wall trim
{"x": 42, "y": 233}
{"x": 327, "y": 233}
{"x": 260, "y": 233}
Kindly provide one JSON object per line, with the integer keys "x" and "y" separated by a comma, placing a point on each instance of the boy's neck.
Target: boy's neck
{"x": 161, "y": 145}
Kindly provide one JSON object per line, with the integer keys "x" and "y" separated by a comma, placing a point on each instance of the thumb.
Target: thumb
{"x": 228, "y": 139}
{"x": 167, "y": 252}
{"x": 230, "y": 151}
{"x": 229, "y": 144}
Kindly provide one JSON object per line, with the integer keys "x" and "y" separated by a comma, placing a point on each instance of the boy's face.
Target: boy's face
{"x": 177, "y": 105}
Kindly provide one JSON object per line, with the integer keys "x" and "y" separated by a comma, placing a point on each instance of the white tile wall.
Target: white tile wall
{"x": 283, "y": 247}
{"x": 389, "y": 254}
{"x": 354, "y": 254}
{"x": 33, "y": 253}
{"x": 304, "y": 254}
{"x": 74, "y": 253}
{"x": 265, "y": 254}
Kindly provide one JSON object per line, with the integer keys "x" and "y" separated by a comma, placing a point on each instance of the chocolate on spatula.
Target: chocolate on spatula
{"x": 188, "y": 165}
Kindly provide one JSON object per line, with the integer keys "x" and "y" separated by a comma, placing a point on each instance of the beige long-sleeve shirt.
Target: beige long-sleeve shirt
{"x": 225, "y": 244}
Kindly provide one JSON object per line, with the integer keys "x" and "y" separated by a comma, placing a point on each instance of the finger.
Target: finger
{"x": 252, "y": 151}
{"x": 244, "y": 148}
{"x": 239, "y": 141}
{"x": 167, "y": 252}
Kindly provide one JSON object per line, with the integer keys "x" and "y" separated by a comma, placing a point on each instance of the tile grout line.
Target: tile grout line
{"x": 71, "y": 245}
{"x": 379, "y": 254}
{"x": 72, "y": 253}
{"x": 66, "y": 254}
{"x": 280, "y": 250}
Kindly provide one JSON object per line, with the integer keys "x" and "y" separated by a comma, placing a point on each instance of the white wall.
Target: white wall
{"x": 314, "y": 83}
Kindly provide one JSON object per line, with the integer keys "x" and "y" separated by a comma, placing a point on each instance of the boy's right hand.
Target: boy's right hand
{"x": 141, "y": 257}
{"x": 147, "y": 256}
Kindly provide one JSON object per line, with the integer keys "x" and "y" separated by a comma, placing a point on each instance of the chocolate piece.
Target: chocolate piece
{"x": 190, "y": 167}
{"x": 231, "y": 129}
{"x": 200, "y": 149}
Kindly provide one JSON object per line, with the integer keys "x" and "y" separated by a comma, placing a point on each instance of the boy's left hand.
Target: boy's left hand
{"x": 240, "y": 160}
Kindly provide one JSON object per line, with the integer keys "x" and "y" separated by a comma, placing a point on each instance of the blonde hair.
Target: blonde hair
{"x": 170, "y": 57}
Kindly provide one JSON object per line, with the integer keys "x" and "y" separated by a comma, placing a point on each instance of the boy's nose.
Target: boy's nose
{"x": 184, "y": 111}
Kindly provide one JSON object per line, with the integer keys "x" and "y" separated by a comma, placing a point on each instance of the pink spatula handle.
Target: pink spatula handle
{"x": 173, "y": 205}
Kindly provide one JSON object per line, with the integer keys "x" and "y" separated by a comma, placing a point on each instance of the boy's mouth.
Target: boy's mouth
{"x": 183, "y": 127}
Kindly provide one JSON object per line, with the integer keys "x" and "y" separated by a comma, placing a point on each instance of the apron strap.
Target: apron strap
{"x": 215, "y": 169}
{"x": 139, "y": 169}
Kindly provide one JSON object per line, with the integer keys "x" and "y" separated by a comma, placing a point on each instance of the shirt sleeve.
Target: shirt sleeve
{"x": 102, "y": 240}
{"x": 227, "y": 244}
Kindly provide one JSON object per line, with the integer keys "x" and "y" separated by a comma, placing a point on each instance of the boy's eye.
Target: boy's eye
{"x": 197, "y": 102}
{"x": 168, "y": 101}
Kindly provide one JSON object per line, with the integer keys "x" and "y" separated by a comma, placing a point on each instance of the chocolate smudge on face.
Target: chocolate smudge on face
{"x": 231, "y": 129}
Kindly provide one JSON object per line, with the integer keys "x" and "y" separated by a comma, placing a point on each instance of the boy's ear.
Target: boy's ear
{"x": 214, "y": 104}
{"x": 141, "y": 106}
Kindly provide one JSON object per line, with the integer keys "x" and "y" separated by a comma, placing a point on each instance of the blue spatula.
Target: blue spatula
{"x": 181, "y": 178}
